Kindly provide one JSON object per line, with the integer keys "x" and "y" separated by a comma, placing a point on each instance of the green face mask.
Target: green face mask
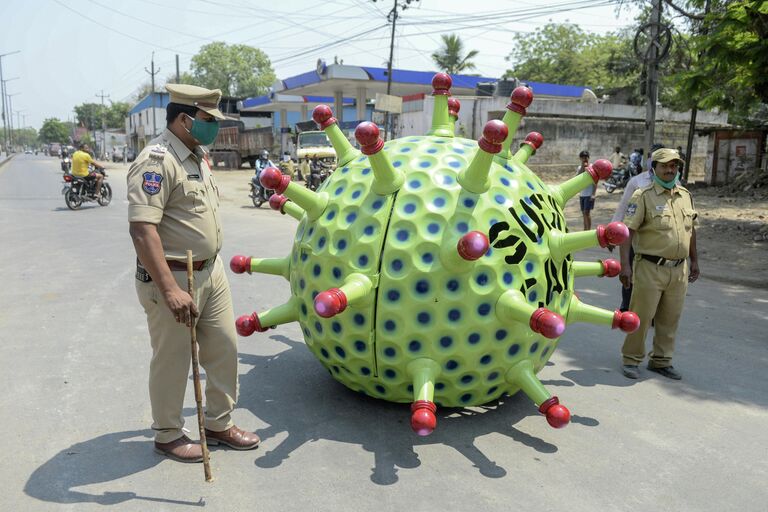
{"x": 204, "y": 131}
{"x": 669, "y": 185}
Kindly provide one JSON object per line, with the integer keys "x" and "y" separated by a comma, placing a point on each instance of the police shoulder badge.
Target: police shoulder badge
{"x": 152, "y": 183}
{"x": 631, "y": 209}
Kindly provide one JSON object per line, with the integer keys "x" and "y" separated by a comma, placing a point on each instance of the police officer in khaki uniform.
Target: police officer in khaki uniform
{"x": 174, "y": 206}
{"x": 661, "y": 221}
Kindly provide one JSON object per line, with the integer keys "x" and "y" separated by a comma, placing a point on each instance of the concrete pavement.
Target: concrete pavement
{"x": 76, "y": 352}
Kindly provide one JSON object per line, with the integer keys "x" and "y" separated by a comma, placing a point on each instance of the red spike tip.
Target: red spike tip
{"x": 277, "y": 201}
{"x": 441, "y": 84}
{"x": 534, "y": 139}
{"x": 547, "y": 323}
{"x": 330, "y": 303}
{"x": 454, "y": 106}
{"x": 611, "y": 267}
{"x": 494, "y": 133}
{"x": 521, "y": 99}
{"x": 558, "y": 415}
{"x": 367, "y": 135}
{"x": 248, "y": 324}
{"x": 614, "y": 233}
{"x": 473, "y": 245}
{"x": 273, "y": 179}
{"x": 600, "y": 170}
{"x": 323, "y": 116}
{"x": 423, "y": 420}
{"x": 240, "y": 264}
{"x": 627, "y": 321}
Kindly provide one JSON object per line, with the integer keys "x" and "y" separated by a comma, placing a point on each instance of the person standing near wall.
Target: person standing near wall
{"x": 586, "y": 196}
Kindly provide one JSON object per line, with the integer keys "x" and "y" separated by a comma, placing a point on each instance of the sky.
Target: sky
{"x": 73, "y": 50}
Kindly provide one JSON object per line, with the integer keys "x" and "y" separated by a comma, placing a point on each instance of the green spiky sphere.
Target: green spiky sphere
{"x": 421, "y": 308}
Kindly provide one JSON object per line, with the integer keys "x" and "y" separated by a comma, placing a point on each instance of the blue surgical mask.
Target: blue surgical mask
{"x": 204, "y": 131}
{"x": 669, "y": 185}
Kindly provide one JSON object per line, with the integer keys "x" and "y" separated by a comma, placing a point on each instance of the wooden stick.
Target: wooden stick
{"x": 196, "y": 375}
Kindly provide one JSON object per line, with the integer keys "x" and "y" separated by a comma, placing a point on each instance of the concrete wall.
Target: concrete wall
{"x": 570, "y": 126}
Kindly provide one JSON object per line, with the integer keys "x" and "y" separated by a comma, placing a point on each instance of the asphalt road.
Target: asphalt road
{"x": 75, "y": 354}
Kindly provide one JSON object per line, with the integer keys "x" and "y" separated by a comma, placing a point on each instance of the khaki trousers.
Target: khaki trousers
{"x": 658, "y": 294}
{"x": 172, "y": 355}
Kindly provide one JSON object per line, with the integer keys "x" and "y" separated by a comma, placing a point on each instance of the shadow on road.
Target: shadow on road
{"x": 292, "y": 392}
{"x": 102, "y": 459}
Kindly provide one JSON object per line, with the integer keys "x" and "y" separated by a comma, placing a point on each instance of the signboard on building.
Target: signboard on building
{"x": 389, "y": 103}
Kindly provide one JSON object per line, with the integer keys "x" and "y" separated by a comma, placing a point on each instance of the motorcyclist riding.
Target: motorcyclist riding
{"x": 260, "y": 164}
{"x": 81, "y": 159}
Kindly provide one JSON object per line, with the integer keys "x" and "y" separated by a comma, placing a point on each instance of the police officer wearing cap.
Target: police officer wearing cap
{"x": 661, "y": 219}
{"x": 174, "y": 206}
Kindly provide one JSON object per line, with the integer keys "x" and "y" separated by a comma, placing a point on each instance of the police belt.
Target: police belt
{"x": 658, "y": 260}
{"x": 196, "y": 265}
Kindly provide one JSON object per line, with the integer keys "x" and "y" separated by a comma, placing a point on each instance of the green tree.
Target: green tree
{"x": 238, "y": 70}
{"x": 449, "y": 58}
{"x": 730, "y": 45}
{"x": 53, "y": 130}
{"x": 26, "y": 137}
{"x": 116, "y": 114}
{"x": 89, "y": 115}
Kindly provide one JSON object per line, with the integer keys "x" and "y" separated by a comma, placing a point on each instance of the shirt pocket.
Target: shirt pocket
{"x": 194, "y": 196}
{"x": 662, "y": 220}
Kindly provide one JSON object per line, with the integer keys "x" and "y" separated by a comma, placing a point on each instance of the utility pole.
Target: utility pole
{"x": 178, "y": 76}
{"x": 3, "y": 96}
{"x": 103, "y": 124}
{"x": 152, "y": 74}
{"x": 694, "y": 109}
{"x": 652, "y": 88}
{"x": 10, "y": 114}
{"x": 392, "y": 18}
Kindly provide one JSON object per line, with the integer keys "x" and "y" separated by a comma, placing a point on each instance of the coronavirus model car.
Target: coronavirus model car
{"x": 435, "y": 270}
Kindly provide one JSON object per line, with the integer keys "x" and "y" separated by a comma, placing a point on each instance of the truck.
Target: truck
{"x": 315, "y": 145}
{"x": 235, "y": 145}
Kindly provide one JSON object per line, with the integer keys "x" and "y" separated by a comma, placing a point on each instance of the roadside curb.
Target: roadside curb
{"x": 7, "y": 159}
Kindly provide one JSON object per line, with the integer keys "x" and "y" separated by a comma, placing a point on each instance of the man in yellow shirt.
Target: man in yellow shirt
{"x": 81, "y": 159}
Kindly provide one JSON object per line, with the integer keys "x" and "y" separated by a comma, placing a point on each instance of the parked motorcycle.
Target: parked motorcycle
{"x": 78, "y": 190}
{"x": 620, "y": 177}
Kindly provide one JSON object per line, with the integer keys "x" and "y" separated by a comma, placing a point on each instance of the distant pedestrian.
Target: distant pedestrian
{"x": 661, "y": 219}
{"x": 618, "y": 159}
{"x": 587, "y": 196}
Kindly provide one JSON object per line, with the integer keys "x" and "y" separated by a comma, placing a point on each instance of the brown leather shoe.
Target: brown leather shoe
{"x": 234, "y": 438}
{"x": 181, "y": 450}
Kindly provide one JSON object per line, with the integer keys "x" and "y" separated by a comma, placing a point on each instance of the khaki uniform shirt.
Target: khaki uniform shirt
{"x": 173, "y": 188}
{"x": 662, "y": 220}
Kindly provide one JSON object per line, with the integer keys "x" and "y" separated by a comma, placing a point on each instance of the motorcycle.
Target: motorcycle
{"x": 66, "y": 165}
{"x": 259, "y": 195}
{"x": 620, "y": 177}
{"x": 317, "y": 176}
{"x": 78, "y": 190}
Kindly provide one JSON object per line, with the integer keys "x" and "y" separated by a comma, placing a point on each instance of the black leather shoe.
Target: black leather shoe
{"x": 667, "y": 371}
{"x": 630, "y": 371}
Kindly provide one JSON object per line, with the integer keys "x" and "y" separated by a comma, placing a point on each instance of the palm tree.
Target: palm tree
{"x": 448, "y": 58}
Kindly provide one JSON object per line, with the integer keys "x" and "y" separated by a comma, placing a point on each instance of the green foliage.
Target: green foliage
{"x": 449, "y": 58}
{"x": 89, "y": 115}
{"x": 26, "y": 137}
{"x": 729, "y": 71}
{"x": 53, "y": 130}
{"x": 238, "y": 70}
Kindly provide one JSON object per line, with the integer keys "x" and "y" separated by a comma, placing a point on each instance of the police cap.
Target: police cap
{"x": 206, "y": 100}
